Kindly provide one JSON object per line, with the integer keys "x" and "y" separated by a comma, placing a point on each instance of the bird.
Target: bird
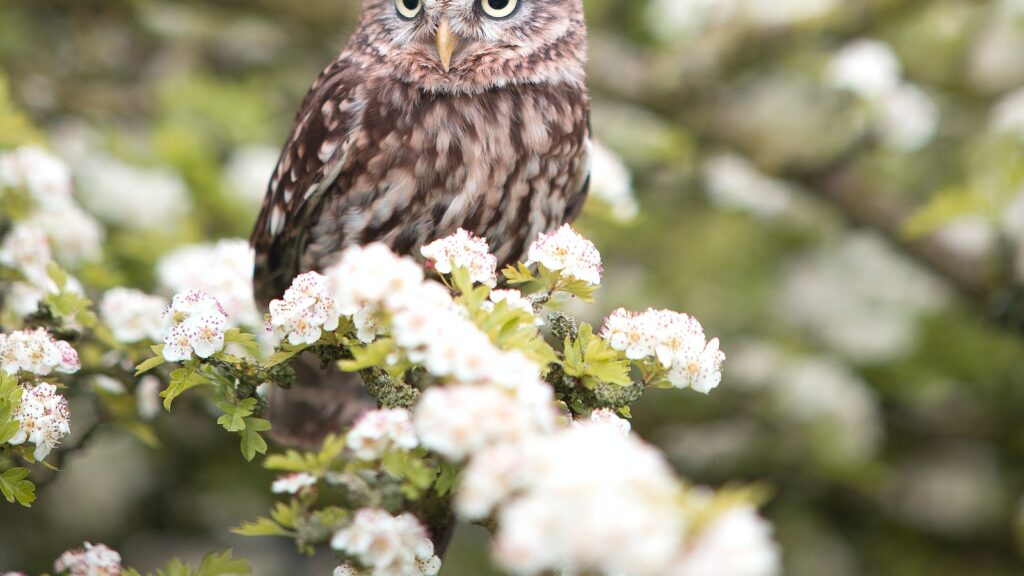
{"x": 436, "y": 115}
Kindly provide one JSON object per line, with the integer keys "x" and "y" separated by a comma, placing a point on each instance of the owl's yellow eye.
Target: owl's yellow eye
{"x": 499, "y": 9}
{"x": 409, "y": 9}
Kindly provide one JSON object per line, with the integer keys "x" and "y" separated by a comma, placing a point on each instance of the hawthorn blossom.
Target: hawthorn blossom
{"x": 45, "y": 177}
{"x": 382, "y": 431}
{"x": 293, "y": 483}
{"x": 306, "y": 311}
{"x": 463, "y": 250}
{"x": 37, "y": 352}
{"x": 738, "y": 542}
{"x": 608, "y": 417}
{"x": 76, "y": 236}
{"x": 44, "y": 419}
{"x": 368, "y": 324}
{"x": 388, "y": 545}
{"x": 91, "y": 560}
{"x": 132, "y": 315}
{"x": 492, "y": 476}
{"x": 565, "y": 251}
{"x": 222, "y": 270}
{"x": 133, "y": 197}
{"x": 27, "y": 250}
{"x": 371, "y": 275}
{"x": 195, "y": 323}
{"x": 866, "y": 67}
{"x": 456, "y": 421}
{"x": 675, "y": 340}
{"x": 563, "y": 519}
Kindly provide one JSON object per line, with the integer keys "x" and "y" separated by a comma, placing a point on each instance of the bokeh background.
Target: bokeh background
{"x": 831, "y": 186}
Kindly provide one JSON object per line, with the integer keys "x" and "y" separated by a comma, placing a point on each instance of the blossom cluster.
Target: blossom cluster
{"x": 463, "y": 250}
{"x": 132, "y": 315}
{"x": 565, "y": 251}
{"x": 381, "y": 431}
{"x": 194, "y": 323}
{"x": 676, "y": 341}
{"x": 36, "y": 352}
{"x": 90, "y": 560}
{"x": 44, "y": 419}
{"x": 293, "y": 483}
{"x": 222, "y": 270}
{"x": 306, "y": 311}
{"x": 75, "y": 235}
{"x": 387, "y": 545}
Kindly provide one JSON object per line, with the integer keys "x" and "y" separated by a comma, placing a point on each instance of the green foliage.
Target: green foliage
{"x": 16, "y": 488}
{"x": 593, "y": 361}
{"x": 15, "y": 127}
{"x": 181, "y": 381}
{"x": 213, "y": 564}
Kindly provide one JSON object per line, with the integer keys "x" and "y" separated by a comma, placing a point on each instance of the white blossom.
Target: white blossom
{"x": 463, "y": 250}
{"x": 147, "y": 397}
{"x": 735, "y": 183}
{"x": 37, "y": 352}
{"x": 45, "y": 177}
{"x": 91, "y": 560}
{"x": 1008, "y": 114}
{"x": 909, "y": 119}
{"x": 456, "y": 421}
{"x": 44, "y": 419}
{"x": 381, "y": 431}
{"x": 222, "y": 270}
{"x": 567, "y": 252}
{"x": 492, "y": 476}
{"x": 130, "y": 196}
{"x": 738, "y": 542}
{"x": 371, "y": 275}
{"x": 388, "y": 545}
{"x": 23, "y": 299}
{"x": 866, "y": 67}
{"x": 75, "y": 235}
{"x": 132, "y": 315}
{"x": 195, "y": 323}
{"x": 675, "y": 340}
{"x": 608, "y": 417}
{"x": 612, "y": 183}
{"x": 27, "y": 250}
{"x": 306, "y": 311}
{"x": 591, "y": 500}
{"x": 293, "y": 483}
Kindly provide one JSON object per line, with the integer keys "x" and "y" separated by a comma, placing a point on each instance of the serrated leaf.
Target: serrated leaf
{"x": 261, "y": 527}
{"x": 8, "y": 429}
{"x": 223, "y": 564}
{"x": 252, "y": 442}
{"x": 182, "y": 380}
{"x": 372, "y": 355}
{"x": 57, "y": 274}
{"x": 175, "y": 568}
{"x": 16, "y": 488}
{"x": 518, "y": 274}
{"x": 245, "y": 340}
{"x": 282, "y": 356}
{"x": 153, "y": 362}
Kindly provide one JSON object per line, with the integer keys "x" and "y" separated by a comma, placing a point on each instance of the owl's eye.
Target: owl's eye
{"x": 499, "y": 9}
{"x": 409, "y": 9}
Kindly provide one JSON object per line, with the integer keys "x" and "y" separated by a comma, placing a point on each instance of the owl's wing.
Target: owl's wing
{"x": 312, "y": 160}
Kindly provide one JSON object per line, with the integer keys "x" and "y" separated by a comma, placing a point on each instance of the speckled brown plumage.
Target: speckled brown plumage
{"x": 391, "y": 146}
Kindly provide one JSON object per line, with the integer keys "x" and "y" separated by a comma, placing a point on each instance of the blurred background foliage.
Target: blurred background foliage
{"x": 832, "y": 186}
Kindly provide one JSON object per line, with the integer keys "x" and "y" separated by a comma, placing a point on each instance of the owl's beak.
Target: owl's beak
{"x": 447, "y": 41}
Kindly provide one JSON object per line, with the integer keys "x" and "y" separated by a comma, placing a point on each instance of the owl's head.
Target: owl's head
{"x": 475, "y": 45}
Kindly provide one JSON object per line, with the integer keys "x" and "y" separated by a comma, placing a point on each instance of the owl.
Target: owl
{"x": 437, "y": 115}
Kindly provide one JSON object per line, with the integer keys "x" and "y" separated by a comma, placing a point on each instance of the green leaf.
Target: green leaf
{"x": 153, "y": 362}
{"x": 518, "y": 274}
{"x": 8, "y": 429}
{"x": 234, "y": 416}
{"x": 262, "y": 527}
{"x": 16, "y": 488}
{"x": 446, "y": 479}
{"x": 57, "y": 274}
{"x": 252, "y": 442}
{"x": 222, "y": 564}
{"x": 579, "y": 288}
{"x": 284, "y": 355}
{"x": 246, "y": 341}
{"x": 182, "y": 380}
{"x": 175, "y": 568}
{"x": 372, "y": 355}
{"x": 943, "y": 208}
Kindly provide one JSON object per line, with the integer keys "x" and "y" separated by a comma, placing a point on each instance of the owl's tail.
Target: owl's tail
{"x": 323, "y": 400}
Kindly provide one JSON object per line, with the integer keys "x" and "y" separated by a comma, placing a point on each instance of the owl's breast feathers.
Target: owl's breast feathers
{"x": 371, "y": 159}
